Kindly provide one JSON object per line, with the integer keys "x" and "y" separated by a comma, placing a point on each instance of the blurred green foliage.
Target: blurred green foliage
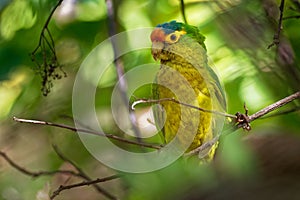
{"x": 237, "y": 36}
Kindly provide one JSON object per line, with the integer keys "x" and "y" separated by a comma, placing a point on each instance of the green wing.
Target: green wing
{"x": 217, "y": 88}
{"x": 194, "y": 33}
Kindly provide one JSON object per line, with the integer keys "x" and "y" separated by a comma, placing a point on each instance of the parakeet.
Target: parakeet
{"x": 184, "y": 75}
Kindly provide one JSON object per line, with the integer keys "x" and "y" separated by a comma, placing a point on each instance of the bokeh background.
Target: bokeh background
{"x": 249, "y": 165}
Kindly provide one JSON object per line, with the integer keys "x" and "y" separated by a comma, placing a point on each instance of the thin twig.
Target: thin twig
{"x": 64, "y": 158}
{"x": 291, "y": 17}
{"x": 203, "y": 147}
{"x": 182, "y": 8}
{"x": 282, "y": 113}
{"x": 82, "y": 175}
{"x": 36, "y": 174}
{"x": 111, "y": 136}
{"x": 83, "y": 183}
{"x": 274, "y": 106}
{"x": 45, "y": 27}
{"x": 120, "y": 67}
{"x": 181, "y": 103}
{"x": 279, "y": 27}
{"x": 243, "y": 120}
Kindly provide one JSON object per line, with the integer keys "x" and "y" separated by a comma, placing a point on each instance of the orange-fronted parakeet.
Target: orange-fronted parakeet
{"x": 184, "y": 75}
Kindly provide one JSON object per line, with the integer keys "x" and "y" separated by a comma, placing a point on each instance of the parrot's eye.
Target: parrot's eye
{"x": 174, "y": 37}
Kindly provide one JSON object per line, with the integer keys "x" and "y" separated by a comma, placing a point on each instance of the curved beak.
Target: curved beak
{"x": 156, "y": 49}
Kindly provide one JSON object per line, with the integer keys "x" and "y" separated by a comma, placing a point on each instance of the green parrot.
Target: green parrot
{"x": 185, "y": 76}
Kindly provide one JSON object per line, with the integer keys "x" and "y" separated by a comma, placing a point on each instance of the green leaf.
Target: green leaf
{"x": 18, "y": 15}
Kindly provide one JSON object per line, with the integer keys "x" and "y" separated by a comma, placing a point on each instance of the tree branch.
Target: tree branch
{"x": 245, "y": 124}
{"x": 182, "y": 8}
{"x": 274, "y": 106}
{"x": 120, "y": 68}
{"x": 83, "y": 183}
{"x": 282, "y": 113}
{"x": 203, "y": 147}
{"x": 45, "y": 27}
{"x": 243, "y": 121}
{"x": 35, "y": 174}
{"x": 291, "y": 17}
{"x": 155, "y": 101}
{"x": 82, "y": 174}
{"x": 111, "y": 136}
{"x": 276, "y": 37}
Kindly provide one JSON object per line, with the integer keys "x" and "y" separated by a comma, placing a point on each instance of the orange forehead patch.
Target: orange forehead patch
{"x": 158, "y": 35}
